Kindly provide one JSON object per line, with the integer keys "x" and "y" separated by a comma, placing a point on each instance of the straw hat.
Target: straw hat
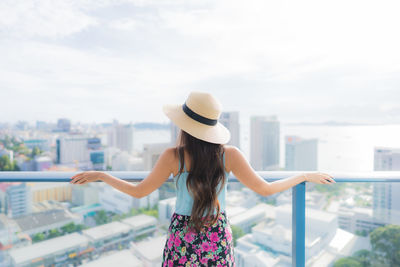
{"x": 198, "y": 116}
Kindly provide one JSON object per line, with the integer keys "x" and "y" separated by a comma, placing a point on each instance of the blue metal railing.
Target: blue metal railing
{"x": 298, "y": 196}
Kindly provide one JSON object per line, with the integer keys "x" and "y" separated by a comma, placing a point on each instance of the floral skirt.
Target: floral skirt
{"x": 184, "y": 247}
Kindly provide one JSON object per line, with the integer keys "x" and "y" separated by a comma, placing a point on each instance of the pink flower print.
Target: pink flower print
{"x": 182, "y": 260}
{"x": 177, "y": 241}
{"x": 170, "y": 263}
{"x": 198, "y": 252}
{"x": 214, "y": 237}
{"x": 203, "y": 260}
{"x": 205, "y": 246}
{"x": 189, "y": 237}
{"x": 214, "y": 247}
{"x": 170, "y": 241}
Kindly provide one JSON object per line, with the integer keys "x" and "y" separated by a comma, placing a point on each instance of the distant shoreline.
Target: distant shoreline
{"x": 334, "y": 123}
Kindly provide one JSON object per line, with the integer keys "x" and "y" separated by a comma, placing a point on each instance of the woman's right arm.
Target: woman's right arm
{"x": 243, "y": 171}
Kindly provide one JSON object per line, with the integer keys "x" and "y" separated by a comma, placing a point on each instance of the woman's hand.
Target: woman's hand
{"x": 319, "y": 178}
{"x": 86, "y": 177}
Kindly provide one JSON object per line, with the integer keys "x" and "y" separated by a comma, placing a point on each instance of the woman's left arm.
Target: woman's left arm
{"x": 159, "y": 174}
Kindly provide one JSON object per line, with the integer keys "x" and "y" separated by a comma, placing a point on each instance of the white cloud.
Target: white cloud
{"x": 258, "y": 56}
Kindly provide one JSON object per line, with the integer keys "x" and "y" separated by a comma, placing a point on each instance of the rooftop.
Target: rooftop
{"x": 106, "y": 230}
{"x": 47, "y": 247}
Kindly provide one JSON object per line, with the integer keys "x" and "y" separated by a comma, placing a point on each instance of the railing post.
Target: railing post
{"x": 298, "y": 224}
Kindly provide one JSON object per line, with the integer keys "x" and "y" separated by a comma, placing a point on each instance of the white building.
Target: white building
{"x": 73, "y": 151}
{"x": 301, "y": 154}
{"x": 358, "y": 220}
{"x": 174, "y": 134}
{"x": 121, "y": 136}
{"x": 18, "y": 200}
{"x": 109, "y": 235}
{"x": 231, "y": 121}
{"x": 151, "y": 153}
{"x": 48, "y": 252}
{"x": 150, "y": 251}
{"x": 386, "y": 197}
{"x": 123, "y": 258}
{"x": 275, "y": 238}
{"x": 141, "y": 224}
{"x": 250, "y": 217}
{"x": 166, "y": 208}
{"x": 86, "y": 194}
{"x": 116, "y": 201}
{"x": 264, "y": 143}
{"x": 123, "y": 161}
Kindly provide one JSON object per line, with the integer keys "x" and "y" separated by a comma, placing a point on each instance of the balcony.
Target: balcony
{"x": 316, "y": 234}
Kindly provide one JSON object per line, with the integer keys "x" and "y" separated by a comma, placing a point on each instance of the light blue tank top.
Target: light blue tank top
{"x": 184, "y": 200}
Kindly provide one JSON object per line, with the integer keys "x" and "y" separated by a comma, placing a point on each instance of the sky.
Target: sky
{"x": 100, "y": 60}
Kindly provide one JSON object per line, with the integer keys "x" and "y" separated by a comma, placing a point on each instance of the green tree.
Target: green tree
{"x": 68, "y": 228}
{"x": 101, "y": 217}
{"x": 35, "y": 151}
{"x": 53, "y": 233}
{"x": 7, "y": 165}
{"x": 38, "y": 237}
{"x": 385, "y": 242}
{"x": 364, "y": 256}
{"x": 237, "y": 232}
{"x": 348, "y": 262}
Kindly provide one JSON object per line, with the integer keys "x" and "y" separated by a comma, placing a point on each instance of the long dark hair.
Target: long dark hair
{"x": 206, "y": 172}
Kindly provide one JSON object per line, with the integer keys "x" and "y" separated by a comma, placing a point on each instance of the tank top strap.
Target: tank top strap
{"x": 223, "y": 157}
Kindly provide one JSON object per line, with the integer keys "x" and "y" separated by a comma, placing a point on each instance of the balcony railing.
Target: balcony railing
{"x": 298, "y": 196}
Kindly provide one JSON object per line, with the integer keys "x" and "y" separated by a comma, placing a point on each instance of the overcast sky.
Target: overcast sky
{"x": 99, "y": 60}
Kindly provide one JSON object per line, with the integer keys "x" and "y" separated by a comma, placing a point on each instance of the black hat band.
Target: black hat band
{"x": 198, "y": 117}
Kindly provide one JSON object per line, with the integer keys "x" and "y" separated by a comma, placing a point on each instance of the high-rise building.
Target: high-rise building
{"x": 151, "y": 153}
{"x": 264, "y": 143}
{"x": 174, "y": 133}
{"x": 63, "y": 125}
{"x": 73, "y": 150}
{"x": 96, "y": 153}
{"x": 231, "y": 121}
{"x": 18, "y": 200}
{"x": 386, "y": 197}
{"x": 301, "y": 154}
{"x": 121, "y": 136}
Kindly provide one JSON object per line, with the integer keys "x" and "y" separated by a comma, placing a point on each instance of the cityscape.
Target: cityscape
{"x": 60, "y": 224}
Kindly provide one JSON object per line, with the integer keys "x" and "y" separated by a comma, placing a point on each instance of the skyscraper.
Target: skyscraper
{"x": 264, "y": 143}
{"x": 301, "y": 154}
{"x": 73, "y": 151}
{"x": 121, "y": 136}
{"x": 231, "y": 121}
{"x": 63, "y": 125}
{"x": 386, "y": 196}
{"x": 174, "y": 133}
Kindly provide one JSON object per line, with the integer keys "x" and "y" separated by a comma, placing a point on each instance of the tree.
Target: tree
{"x": 347, "y": 262}
{"x": 7, "y": 165}
{"x": 53, "y": 233}
{"x": 385, "y": 242}
{"x": 35, "y": 151}
{"x": 101, "y": 217}
{"x": 237, "y": 232}
{"x": 364, "y": 256}
{"x": 38, "y": 237}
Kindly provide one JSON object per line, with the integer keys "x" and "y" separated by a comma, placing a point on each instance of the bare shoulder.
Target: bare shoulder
{"x": 170, "y": 153}
{"x": 231, "y": 154}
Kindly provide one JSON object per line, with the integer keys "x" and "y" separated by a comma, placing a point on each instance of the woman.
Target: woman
{"x": 199, "y": 233}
